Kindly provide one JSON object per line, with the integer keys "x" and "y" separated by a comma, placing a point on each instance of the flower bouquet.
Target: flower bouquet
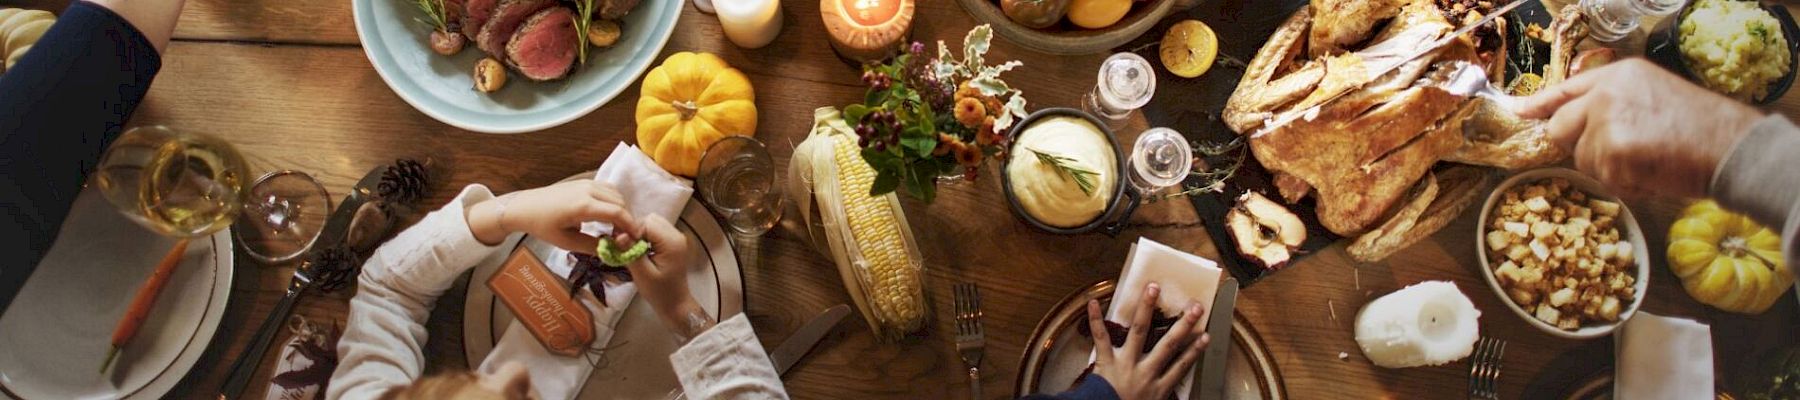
{"x": 930, "y": 117}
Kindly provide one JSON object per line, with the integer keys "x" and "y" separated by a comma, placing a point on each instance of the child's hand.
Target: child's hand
{"x": 553, "y": 214}
{"x": 662, "y": 279}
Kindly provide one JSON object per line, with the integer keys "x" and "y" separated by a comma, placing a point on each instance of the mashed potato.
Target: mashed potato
{"x": 1044, "y": 191}
{"x": 1735, "y": 46}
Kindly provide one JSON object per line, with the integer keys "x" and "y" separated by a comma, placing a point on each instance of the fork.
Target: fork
{"x": 1484, "y": 369}
{"x": 1472, "y": 80}
{"x": 971, "y": 341}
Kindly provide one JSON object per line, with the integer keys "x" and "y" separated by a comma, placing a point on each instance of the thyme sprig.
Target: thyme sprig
{"x": 434, "y": 14}
{"x": 1071, "y": 169}
{"x": 584, "y": 10}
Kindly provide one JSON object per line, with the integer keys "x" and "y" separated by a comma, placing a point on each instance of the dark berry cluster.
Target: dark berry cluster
{"x": 878, "y": 130}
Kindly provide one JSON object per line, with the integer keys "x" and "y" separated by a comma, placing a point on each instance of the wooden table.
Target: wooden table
{"x": 287, "y": 82}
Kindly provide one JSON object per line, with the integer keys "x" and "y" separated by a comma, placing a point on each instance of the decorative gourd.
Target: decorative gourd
{"x": 689, "y": 102}
{"x": 1726, "y": 260}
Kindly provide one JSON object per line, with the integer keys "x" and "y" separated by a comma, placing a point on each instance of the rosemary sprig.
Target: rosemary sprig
{"x": 585, "y": 16}
{"x": 434, "y": 10}
{"x": 1084, "y": 178}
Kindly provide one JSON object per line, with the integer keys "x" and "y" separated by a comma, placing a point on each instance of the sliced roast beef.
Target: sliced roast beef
{"x": 506, "y": 20}
{"x": 615, "y": 9}
{"x": 475, "y": 13}
{"x": 544, "y": 47}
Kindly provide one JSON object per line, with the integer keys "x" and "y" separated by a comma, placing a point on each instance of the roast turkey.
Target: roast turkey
{"x": 1370, "y": 152}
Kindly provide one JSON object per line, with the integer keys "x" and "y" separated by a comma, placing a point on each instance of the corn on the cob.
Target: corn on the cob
{"x": 894, "y": 283}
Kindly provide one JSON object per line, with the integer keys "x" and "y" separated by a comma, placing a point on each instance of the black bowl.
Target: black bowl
{"x": 1664, "y": 48}
{"x": 1110, "y": 221}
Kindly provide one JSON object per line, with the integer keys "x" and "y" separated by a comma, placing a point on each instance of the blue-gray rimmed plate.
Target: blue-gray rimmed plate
{"x": 442, "y": 87}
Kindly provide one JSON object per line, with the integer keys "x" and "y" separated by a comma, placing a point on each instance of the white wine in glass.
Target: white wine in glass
{"x": 177, "y": 184}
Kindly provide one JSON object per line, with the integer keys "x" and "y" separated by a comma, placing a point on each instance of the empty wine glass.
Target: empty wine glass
{"x": 737, "y": 180}
{"x": 186, "y": 185}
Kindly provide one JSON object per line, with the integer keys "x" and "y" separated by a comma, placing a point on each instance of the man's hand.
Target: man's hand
{"x": 1642, "y": 130}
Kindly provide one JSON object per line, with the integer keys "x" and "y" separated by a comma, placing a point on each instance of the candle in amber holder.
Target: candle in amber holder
{"x": 867, "y": 30}
{"x": 749, "y": 23}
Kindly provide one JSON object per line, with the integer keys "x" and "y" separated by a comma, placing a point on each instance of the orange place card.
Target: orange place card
{"x": 541, "y": 302}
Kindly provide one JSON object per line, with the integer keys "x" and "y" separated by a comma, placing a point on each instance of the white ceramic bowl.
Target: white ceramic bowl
{"x": 1629, "y": 228}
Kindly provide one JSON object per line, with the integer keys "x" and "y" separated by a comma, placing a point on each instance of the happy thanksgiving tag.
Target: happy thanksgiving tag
{"x": 542, "y": 303}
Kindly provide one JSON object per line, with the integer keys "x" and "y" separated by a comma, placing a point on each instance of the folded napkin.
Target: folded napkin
{"x": 1182, "y": 277}
{"x": 1664, "y": 358}
{"x": 648, "y": 190}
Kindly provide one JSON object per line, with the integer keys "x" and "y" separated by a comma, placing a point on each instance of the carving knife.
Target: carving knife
{"x": 1382, "y": 59}
{"x": 1209, "y": 379}
{"x": 789, "y": 352}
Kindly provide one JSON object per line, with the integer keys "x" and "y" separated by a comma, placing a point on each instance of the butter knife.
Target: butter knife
{"x": 795, "y": 347}
{"x": 1209, "y": 379}
{"x": 304, "y": 276}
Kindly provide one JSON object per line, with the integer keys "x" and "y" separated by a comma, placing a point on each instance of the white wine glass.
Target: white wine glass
{"x": 187, "y": 185}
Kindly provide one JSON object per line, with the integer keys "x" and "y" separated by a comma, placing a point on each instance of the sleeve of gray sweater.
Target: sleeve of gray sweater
{"x": 1760, "y": 178}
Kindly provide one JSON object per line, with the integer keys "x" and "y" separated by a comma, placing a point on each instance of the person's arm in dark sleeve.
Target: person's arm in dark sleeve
{"x": 1758, "y": 177}
{"x": 1093, "y": 387}
{"x": 60, "y": 106}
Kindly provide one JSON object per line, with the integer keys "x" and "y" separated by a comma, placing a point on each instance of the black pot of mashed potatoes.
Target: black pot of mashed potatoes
{"x": 1046, "y": 195}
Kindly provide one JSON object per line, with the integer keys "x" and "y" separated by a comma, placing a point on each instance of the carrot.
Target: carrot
{"x": 145, "y": 299}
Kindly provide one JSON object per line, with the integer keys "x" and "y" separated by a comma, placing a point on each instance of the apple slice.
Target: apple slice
{"x": 1264, "y": 230}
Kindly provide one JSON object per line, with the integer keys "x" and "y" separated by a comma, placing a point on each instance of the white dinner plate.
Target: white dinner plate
{"x": 59, "y": 328}
{"x": 636, "y": 362}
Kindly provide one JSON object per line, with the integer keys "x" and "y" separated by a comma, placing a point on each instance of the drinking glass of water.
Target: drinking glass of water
{"x": 1160, "y": 159}
{"x": 737, "y": 181}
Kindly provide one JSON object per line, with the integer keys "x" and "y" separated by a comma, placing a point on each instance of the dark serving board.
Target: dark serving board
{"x": 1193, "y": 106}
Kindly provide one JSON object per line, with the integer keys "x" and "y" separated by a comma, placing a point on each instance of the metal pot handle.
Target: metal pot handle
{"x": 1112, "y": 228}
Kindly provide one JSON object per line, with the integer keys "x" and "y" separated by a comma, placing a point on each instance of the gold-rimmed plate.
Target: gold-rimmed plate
{"x": 1057, "y": 353}
{"x": 635, "y": 364}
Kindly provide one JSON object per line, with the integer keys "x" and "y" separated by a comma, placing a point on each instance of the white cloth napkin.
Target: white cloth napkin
{"x": 1182, "y": 277}
{"x": 648, "y": 190}
{"x": 1664, "y": 358}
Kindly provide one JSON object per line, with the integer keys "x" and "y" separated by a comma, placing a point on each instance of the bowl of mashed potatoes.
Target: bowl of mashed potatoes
{"x": 1064, "y": 173}
{"x": 1742, "y": 49}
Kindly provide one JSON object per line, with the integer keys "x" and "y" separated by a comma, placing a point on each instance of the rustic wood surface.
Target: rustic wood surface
{"x": 288, "y": 83}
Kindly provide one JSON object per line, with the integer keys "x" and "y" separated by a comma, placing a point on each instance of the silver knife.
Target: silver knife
{"x": 1383, "y": 63}
{"x": 333, "y": 232}
{"x": 795, "y": 347}
{"x": 1209, "y": 379}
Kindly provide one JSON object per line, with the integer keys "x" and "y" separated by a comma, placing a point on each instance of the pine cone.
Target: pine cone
{"x": 404, "y": 182}
{"x": 332, "y": 268}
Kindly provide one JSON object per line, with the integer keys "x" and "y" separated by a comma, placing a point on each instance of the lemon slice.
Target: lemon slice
{"x": 1188, "y": 48}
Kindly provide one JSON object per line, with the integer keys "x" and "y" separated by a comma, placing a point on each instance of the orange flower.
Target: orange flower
{"x": 964, "y": 91}
{"x": 943, "y": 146}
{"x": 986, "y": 136}
{"x": 969, "y": 112}
{"x": 967, "y": 155}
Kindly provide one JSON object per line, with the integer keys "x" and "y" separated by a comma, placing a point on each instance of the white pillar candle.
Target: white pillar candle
{"x": 1431, "y": 323}
{"x": 749, "y": 23}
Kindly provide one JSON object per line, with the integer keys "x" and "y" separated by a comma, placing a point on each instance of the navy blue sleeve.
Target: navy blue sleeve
{"x": 59, "y": 108}
{"x": 1093, "y": 387}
